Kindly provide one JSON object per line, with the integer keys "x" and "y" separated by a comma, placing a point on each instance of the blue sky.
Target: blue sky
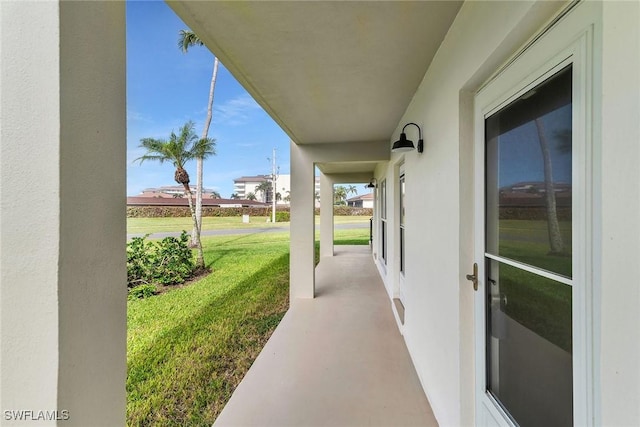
{"x": 166, "y": 88}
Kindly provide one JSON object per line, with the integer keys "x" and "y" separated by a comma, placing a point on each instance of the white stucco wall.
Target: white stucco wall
{"x": 618, "y": 360}
{"x": 29, "y": 224}
{"x": 439, "y": 307}
{"x": 63, "y": 275}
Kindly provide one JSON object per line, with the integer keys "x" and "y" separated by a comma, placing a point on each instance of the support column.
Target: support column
{"x": 302, "y": 263}
{"x": 63, "y": 228}
{"x": 326, "y": 215}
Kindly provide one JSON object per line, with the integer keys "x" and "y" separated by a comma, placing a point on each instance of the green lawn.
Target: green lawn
{"x": 155, "y": 225}
{"x": 354, "y": 236}
{"x": 187, "y": 349}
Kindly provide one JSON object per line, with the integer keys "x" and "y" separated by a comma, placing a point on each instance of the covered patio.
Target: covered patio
{"x": 338, "y": 359}
{"x": 342, "y": 79}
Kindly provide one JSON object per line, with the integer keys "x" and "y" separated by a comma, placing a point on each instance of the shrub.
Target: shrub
{"x": 283, "y": 216}
{"x": 142, "y": 291}
{"x": 166, "y": 262}
{"x": 173, "y": 260}
{"x": 139, "y": 264}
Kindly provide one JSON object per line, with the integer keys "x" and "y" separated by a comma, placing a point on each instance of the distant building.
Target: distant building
{"x": 361, "y": 201}
{"x": 245, "y": 185}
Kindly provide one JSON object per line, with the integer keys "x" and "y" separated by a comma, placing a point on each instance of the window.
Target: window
{"x": 383, "y": 221}
{"x": 402, "y": 233}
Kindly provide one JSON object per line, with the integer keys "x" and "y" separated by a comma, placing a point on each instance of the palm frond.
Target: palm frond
{"x": 203, "y": 148}
{"x": 181, "y": 147}
{"x": 155, "y": 150}
{"x": 187, "y": 134}
{"x": 156, "y": 157}
{"x": 187, "y": 39}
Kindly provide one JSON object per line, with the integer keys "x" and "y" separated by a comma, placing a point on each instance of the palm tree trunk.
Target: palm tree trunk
{"x": 199, "y": 161}
{"x": 198, "y": 243}
{"x": 555, "y": 238}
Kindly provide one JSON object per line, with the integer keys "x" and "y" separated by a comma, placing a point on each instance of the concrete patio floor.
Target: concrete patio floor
{"x": 336, "y": 360}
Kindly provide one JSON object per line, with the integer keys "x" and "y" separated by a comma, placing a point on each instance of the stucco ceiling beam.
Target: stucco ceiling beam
{"x": 348, "y": 152}
{"x": 351, "y": 178}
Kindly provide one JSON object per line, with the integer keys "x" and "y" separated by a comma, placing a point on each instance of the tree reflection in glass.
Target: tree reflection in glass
{"x": 529, "y": 177}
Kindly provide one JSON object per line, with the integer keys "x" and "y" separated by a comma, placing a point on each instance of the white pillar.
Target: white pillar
{"x": 618, "y": 209}
{"x": 63, "y": 273}
{"x": 302, "y": 265}
{"x": 326, "y": 216}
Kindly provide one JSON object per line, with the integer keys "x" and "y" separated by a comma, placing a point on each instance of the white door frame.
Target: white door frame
{"x": 401, "y": 247}
{"x": 570, "y": 41}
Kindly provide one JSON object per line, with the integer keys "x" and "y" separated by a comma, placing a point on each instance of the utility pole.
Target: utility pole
{"x": 274, "y": 178}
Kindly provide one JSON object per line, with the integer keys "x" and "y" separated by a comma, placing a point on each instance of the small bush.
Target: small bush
{"x": 139, "y": 265}
{"x": 283, "y": 216}
{"x": 142, "y": 291}
{"x": 173, "y": 260}
{"x": 167, "y": 262}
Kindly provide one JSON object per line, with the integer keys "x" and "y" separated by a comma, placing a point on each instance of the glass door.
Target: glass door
{"x": 534, "y": 201}
{"x": 528, "y": 254}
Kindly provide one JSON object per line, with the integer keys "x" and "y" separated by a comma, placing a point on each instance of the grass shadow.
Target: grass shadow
{"x": 186, "y": 374}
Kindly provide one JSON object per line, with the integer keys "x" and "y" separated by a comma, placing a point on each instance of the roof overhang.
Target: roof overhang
{"x": 326, "y": 71}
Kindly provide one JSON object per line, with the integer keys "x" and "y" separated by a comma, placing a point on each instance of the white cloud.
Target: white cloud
{"x": 135, "y": 116}
{"x": 247, "y": 144}
{"x": 236, "y": 111}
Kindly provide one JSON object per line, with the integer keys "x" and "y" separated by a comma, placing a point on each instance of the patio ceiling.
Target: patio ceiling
{"x": 325, "y": 71}
{"x": 346, "y": 167}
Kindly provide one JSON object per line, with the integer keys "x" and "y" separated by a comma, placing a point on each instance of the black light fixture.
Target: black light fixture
{"x": 404, "y": 144}
{"x": 372, "y": 183}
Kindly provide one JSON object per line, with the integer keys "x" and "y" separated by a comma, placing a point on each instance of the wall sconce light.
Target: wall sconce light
{"x": 372, "y": 183}
{"x": 404, "y": 144}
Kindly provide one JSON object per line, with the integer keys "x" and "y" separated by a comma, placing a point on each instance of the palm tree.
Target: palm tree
{"x": 214, "y": 195}
{"x": 265, "y": 188}
{"x": 179, "y": 149}
{"x": 340, "y": 193}
{"x": 553, "y": 226}
{"x": 251, "y": 196}
{"x": 187, "y": 39}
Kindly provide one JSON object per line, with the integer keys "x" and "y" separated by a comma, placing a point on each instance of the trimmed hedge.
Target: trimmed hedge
{"x": 282, "y": 213}
{"x": 349, "y": 211}
{"x": 183, "y": 211}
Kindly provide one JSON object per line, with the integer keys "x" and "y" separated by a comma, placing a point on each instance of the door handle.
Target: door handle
{"x": 474, "y": 277}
